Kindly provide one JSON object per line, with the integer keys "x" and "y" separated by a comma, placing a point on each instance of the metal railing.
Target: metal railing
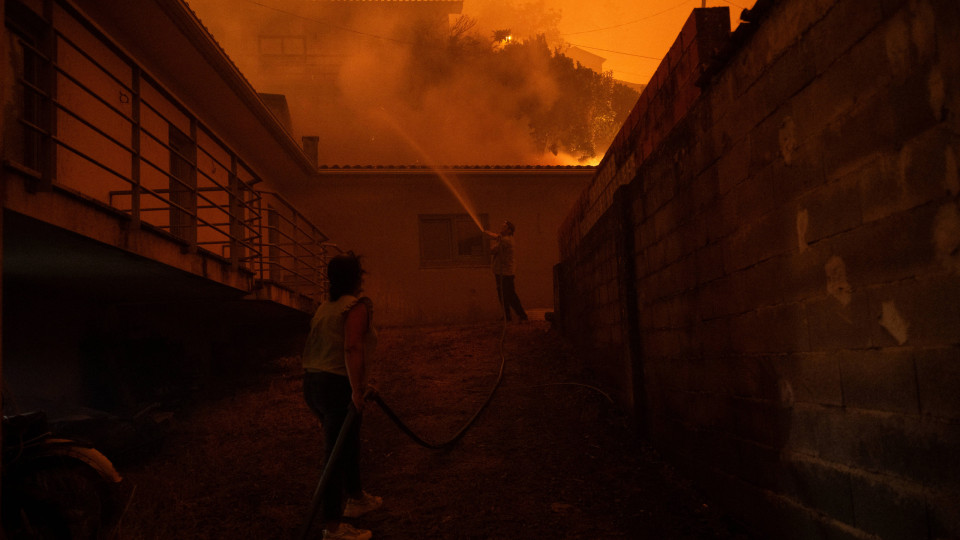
{"x": 144, "y": 154}
{"x": 294, "y": 250}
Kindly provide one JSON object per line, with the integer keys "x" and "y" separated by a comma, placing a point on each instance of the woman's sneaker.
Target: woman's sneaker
{"x": 347, "y": 532}
{"x": 358, "y": 507}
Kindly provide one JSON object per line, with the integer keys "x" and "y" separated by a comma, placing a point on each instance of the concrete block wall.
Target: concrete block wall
{"x": 796, "y": 250}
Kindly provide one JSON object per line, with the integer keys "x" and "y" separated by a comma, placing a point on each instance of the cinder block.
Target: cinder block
{"x": 922, "y": 451}
{"x": 890, "y": 7}
{"x": 910, "y": 104}
{"x": 819, "y": 431}
{"x": 817, "y": 485}
{"x": 688, "y": 34}
{"x": 907, "y": 178}
{"x": 884, "y": 509}
{"x": 673, "y": 248}
{"x": 751, "y": 198}
{"x": 775, "y": 234}
{"x": 667, "y": 218}
{"x": 718, "y": 298}
{"x": 832, "y": 208}
{"x": 843, "y": 27}
{"x": 891, "y": 249}
{"x": 758, "y": 286}
{"x": 704, "y": 191}
{"x": 765, "y": 143}
{"x": 672, "y": 59}
{"x": 693, "y": 234}
{"x": 782, "y": 328}
{"x": 782, "y": 30}
{"x": 812, "y": 378}
{"x": 858, "y": 133}
{"x": 743, "y": 337}
{"x": 733, "y": 166}
{"x": 834, "y": 326}
{"x": 802, "y": 274}
{"x": 722, "y": 220}
{"x": 938, "y": 378}
{"x": 736, "y": 121}
{"x": 788, "y": 74}
{"x": 880, "y": 379}
{"x": 923, "y": 312}
{"x": 804, "y": 171}
{"x": 740, "y": 251}
{"x": 944, "y": 514}
{"x": 762, "y": 422}
{"x": 709, "y": 263}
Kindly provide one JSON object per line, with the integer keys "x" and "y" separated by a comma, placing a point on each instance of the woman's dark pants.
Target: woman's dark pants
{"x": 328, "y": 396}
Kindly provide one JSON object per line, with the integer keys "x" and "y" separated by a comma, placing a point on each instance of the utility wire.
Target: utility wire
{"x": 618, "y": 52}
{"x": 403, "y": 42}
{"x": 681, "y": 4}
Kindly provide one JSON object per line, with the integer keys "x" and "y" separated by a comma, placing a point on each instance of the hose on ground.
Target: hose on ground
{"x": 375, "y": 396}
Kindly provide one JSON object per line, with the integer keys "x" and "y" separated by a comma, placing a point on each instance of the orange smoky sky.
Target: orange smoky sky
{"x": 352, "y": 75}
{"x": 632, "y": 35}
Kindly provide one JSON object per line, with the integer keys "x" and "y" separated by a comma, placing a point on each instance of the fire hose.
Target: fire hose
{"x": 327, "y": 470}
{"x": 373, "y": 395}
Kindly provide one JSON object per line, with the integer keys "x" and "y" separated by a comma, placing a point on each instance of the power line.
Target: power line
{"x": 681, "y": 4}
{"x": 618, "y": 52}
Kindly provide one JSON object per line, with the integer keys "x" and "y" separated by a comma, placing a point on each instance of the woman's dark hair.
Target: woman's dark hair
{"x": 344, "y": 273}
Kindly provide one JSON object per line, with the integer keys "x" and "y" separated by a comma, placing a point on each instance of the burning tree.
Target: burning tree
{"x": 566, "y": 107}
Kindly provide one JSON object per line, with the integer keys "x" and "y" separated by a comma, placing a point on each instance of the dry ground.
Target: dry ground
{"x": 546, "y": 459}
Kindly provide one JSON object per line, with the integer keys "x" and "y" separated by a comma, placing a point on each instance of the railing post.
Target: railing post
{"x": 194, "y": 224}
{"x": 236, "y": 214}
{"x": 135, "y": 144}
{"x": 49, "y": 163}
{"x": 295, "y": 234}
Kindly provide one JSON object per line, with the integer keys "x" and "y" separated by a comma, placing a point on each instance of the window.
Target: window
{"x": 449, "y": 240}
{"x": 33, "y": 73}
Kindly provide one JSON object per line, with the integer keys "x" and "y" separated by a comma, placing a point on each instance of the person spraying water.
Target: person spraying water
{"x": 504, "y": 270}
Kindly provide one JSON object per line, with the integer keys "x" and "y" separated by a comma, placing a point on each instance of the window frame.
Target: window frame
{"x": 31, "y": 152}
{"x": 455, "y": 260}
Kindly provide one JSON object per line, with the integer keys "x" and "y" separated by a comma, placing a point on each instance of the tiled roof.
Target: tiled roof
{"x": 395, "y": 1}
{"x": 453, "y": 167}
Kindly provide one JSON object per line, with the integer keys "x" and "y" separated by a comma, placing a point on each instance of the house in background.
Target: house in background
{"x": 427, "y": 261}
{"x": 397, "y": 214}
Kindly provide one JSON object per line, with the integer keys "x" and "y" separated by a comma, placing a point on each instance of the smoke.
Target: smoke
{"x": 382, "y": 88}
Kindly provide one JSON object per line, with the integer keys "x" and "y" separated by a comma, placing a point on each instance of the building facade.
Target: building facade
{"x": 427, "y": 261}
{"x": 145, "y": 226}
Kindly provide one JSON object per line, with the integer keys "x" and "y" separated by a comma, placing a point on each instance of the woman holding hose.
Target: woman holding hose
{"x": 335, "y": 362}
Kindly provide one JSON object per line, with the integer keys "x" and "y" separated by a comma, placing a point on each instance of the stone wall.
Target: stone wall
{"x": 788, "y": 283}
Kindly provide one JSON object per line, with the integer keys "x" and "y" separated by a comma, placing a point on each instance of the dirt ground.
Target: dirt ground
{"x": 549, "y": 458}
